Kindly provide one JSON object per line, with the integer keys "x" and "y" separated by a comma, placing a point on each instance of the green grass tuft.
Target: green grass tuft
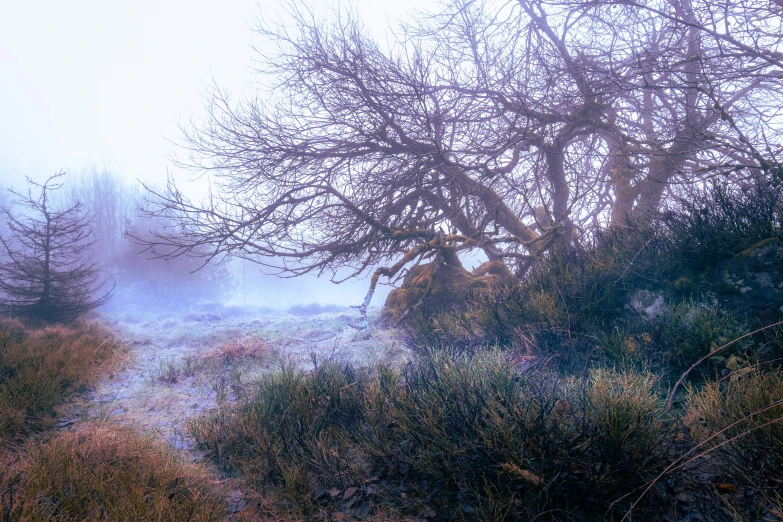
{"x": 740, "y": 420}
{"x": 463, "y": 435}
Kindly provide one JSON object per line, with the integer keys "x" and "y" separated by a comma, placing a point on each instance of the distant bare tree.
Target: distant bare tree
{"x": 167, "y": 283}
{"x": 505, "y": 127}
{"x": 45, "y": 269}
{"x": 3, "y": 203}
{"x": 114, "y": 206}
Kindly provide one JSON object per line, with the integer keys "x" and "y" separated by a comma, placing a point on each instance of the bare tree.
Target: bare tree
{"x": 506, "y": 128}
{"x": 113, "y": 205}
{"x": 3, "y": 203}
{"x": 45, "y": 272}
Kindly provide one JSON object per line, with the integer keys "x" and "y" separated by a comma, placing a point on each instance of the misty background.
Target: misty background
{"x": 101, "y": 90}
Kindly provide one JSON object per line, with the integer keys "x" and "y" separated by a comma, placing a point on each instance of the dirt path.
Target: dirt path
{"x": 181, "y": 366}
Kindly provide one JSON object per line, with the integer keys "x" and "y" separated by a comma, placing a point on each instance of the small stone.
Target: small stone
{"x": 350, "y": 492}
{"x": 236, "y": 501}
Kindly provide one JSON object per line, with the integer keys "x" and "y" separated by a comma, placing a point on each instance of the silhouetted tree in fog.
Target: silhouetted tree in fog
{"x": 168, "y": 283}
{"x": 45, "y": 270}
{"x": 113, "y": 205}
{"x": 3, "y": 203}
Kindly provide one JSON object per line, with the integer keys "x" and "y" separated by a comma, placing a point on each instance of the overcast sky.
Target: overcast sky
{"x": 109, "y": 82}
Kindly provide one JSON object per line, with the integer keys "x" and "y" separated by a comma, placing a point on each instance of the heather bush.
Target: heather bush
{"x": 575, "y": 304}
{"x": 457, "y": 434}
{"x": 713, "y": 223}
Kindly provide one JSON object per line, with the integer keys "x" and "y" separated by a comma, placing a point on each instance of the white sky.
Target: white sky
{"x": 109, "y": 82}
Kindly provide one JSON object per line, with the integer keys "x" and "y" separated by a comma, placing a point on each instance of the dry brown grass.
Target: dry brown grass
{"x": 97, "y": 474}
{"x": 40, "y": 368}
{"x": 239, "y": 348}
{"x": 235, "y": 355}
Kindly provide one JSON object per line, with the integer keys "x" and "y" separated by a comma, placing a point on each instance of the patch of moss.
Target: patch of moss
{"x": 684, "y": 285}
{"x": 723, "y": 288}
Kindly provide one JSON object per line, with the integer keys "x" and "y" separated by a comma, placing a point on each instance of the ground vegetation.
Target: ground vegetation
{"x": 611, "y": 382}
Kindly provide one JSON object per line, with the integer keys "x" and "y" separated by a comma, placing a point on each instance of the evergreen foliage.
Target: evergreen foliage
{"x": 45, "y": 272}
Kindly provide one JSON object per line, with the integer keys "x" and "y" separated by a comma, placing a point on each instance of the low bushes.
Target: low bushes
{"x": 568, "y": 422}
{"x": 472, "y": 436}
{"x": 719, "y": 221}
{"x": 294, "y": 430}
{"x": 634, "y": 295}
{"x": 458, "y": 435}
{"x": 40, "y": 368}
{"x": 740, "y": 420}
{"x": 100, "y": 475}
{"x": 486, "y": 435}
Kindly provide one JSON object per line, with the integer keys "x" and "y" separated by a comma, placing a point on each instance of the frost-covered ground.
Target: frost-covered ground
{"x": 181, "y": 365}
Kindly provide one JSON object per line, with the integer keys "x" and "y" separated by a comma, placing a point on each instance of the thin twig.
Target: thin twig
{"x": 675, "y": 465}
{"x": 735, "y": 437}
{"x": 713, "y": 352}
{"x": 631, "y": 263}
{"x": 731, "y": 374}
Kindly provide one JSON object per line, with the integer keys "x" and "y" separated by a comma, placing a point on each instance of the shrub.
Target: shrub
{"x": 40, "y": 368}
{"x": 293, "y": 432}
{"x": 591, "y": 283}
{"x": 484, "y": 435}
{"x": 487, "y": 319}
{"x": 688, "y": 331}
{"x": 716, "y": 222}
{"x": 629, "y": 415}
{"x": 464, "y": 435}
{"x": 101, "y": 475}
{"x": 572, "y": 293}
{"x": 712, "y": 223}
{"x": 740, "y": 419}
{"x": 583, "y": 291}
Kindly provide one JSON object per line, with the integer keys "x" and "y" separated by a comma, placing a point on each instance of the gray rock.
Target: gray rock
{"x": 751, "y": 283}
{"x": 648, "y": 304}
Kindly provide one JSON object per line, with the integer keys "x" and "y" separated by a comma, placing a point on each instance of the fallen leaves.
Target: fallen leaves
{"x": 727, "y": 488}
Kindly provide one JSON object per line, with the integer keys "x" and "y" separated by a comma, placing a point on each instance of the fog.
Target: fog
{"x": 94, "y": 87}
{"x": 142, "y": 282}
